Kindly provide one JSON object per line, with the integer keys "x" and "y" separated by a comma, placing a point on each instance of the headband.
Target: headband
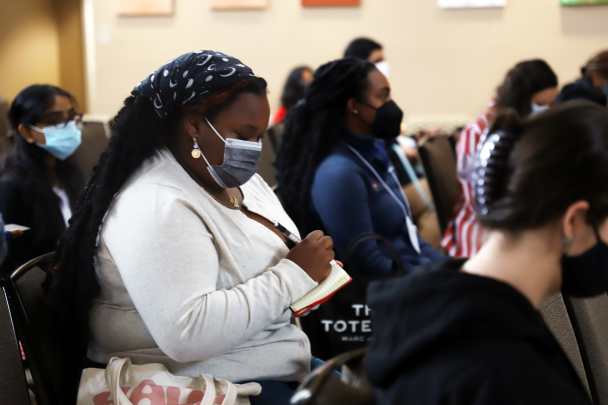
{"x": 182, "y": 79}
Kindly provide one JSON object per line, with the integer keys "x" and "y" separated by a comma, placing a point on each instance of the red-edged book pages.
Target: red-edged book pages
{"x": 326, "y": 289}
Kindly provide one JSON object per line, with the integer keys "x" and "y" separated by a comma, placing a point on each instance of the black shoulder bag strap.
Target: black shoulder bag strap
{"x": 398, "y": 268}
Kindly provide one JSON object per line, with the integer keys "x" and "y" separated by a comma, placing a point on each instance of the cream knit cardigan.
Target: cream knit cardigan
{"x": 194, "y": 285}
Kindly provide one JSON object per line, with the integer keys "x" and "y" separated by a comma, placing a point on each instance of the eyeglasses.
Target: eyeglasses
{"x": 63, "y": 122}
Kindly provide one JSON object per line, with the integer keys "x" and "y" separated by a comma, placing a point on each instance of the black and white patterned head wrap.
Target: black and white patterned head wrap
{"x": 193, "y": 74}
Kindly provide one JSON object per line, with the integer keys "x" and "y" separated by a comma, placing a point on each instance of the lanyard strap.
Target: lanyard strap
{"x": 405, "y": 207}
{"x": 412, "y": 175}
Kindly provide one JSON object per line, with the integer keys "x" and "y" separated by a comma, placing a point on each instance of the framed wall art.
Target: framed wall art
{"x": 144, "y": 7}
{"x": 471, "y": 3}
{"x": 238, "y": 4}
{"x": 330, "y": 3}
{"x": 582, "y": 2}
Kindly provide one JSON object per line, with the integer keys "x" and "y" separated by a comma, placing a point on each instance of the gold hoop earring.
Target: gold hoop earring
{"x": 196, "y": 151}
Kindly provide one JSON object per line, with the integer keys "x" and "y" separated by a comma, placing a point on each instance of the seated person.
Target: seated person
{"x": 469, "y": 331}
{"x": 596, "y": 71}
{"x": 172, "y": 255}
{"x": 369, "y": 50}
{"x": 334, "y": 172}
{"x": 39, "y": 180}
{"x": 529, "y": 88}
{"x": 293, "y": 91}
{"x": 5, "y": 238}
{"x": 592, "y": 86}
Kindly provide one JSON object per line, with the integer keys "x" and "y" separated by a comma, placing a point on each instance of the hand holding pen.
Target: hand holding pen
{"x": 313, "y": 254}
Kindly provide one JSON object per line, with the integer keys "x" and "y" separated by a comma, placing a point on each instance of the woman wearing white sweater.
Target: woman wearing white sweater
{"x": 172, "y": 255}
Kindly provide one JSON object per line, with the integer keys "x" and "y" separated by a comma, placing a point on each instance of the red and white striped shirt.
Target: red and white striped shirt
{"x": 464, "y": 236}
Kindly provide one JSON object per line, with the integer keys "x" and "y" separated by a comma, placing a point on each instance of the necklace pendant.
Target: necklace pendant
{"x": 234, "y": 201}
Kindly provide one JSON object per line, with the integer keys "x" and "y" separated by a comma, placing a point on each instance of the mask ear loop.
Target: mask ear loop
{"x": 35, "y": 128}
{"x": 217, "y": 133}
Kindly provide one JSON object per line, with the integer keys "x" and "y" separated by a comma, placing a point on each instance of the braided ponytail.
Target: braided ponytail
{"x": 310, "y": 130}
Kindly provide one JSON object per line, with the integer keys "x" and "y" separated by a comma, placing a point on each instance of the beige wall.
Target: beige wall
{"x": 71, "y": 49}
{"x": 29, "y": 45}
{"x": 41, "y": 43}
{"x": 442, "y": 61}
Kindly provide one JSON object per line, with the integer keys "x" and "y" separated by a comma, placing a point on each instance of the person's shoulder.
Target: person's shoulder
{"x": 10, "y": 183}
{"x": 338, "y": 163}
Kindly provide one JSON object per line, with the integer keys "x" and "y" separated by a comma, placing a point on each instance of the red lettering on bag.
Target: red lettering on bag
{"x": 219, "y": 399}
{"x": 195, "y": 397}
{"x": 105, "y": 398}
{"x": 156, "y": 396}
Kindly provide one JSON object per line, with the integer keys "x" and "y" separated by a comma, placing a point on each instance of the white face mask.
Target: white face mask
{"x": 384, "y": 68}
{"x": 538, "y": 108}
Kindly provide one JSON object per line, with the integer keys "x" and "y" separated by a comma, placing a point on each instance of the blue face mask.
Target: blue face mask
{"x": 536, "y": 109}
{"x": 61, "y": 141}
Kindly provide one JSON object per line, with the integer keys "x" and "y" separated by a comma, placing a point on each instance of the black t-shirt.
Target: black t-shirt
{"x": 447, "y": 337}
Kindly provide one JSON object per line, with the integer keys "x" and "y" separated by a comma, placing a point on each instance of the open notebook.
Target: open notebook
{"x": 337, "y": 279}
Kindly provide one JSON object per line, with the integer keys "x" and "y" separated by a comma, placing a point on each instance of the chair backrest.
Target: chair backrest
{"x": 590, "y": 322}
{"x": 439, "y": 162}
{"x": 555, "y": 315}
{"x": 5, "y": 126}
{"x": 266, "y": 167}
{"x": 275, "y": 134}
{"x": 322, "y": 387}
{"x": 13, "y": 386}
{"x": 94, "y": 141}
{"x": 52, "y": 352}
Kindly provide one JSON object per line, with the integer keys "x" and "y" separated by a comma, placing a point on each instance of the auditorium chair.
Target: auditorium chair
{"x": 589, "y": 318}
{"x": 53, "y": 354}
{"x": 95, "y": 134}
{"x": 439, "y": 162}
{"x": 13, "y": 385}
{"x": 322, "y": 387}
{"x": 556, "y": 317}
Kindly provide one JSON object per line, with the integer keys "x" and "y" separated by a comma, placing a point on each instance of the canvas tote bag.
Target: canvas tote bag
{"x": 344, "y": 323}
{"x": 123, "y": 383}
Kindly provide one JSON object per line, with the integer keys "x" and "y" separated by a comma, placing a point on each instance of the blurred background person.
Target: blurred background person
{"x": 528, "y": 88}
{"x": 334, "y": 173}
{"x": 593, "y": 84}
{"x": 596, "y": 71}
{"x": 370, "y": 50}
{"x": 39, "y": 182}
{"x": 293, "y": 91}
{"x": 545, "y": 205}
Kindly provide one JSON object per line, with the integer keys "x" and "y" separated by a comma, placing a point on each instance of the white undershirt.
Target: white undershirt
{"x": 66, "y": 210}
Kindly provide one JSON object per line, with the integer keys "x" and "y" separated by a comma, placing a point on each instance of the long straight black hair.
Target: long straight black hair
{"x": 26, "y": 163}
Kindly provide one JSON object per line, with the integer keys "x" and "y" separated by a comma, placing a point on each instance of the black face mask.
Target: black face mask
{"x": 586, "y": 275}
{"x": 387, "y": 121}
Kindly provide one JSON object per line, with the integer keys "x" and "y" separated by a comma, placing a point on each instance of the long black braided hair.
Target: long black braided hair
{"x": 311, "y": 127}
{"x": 137, "y": 134}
